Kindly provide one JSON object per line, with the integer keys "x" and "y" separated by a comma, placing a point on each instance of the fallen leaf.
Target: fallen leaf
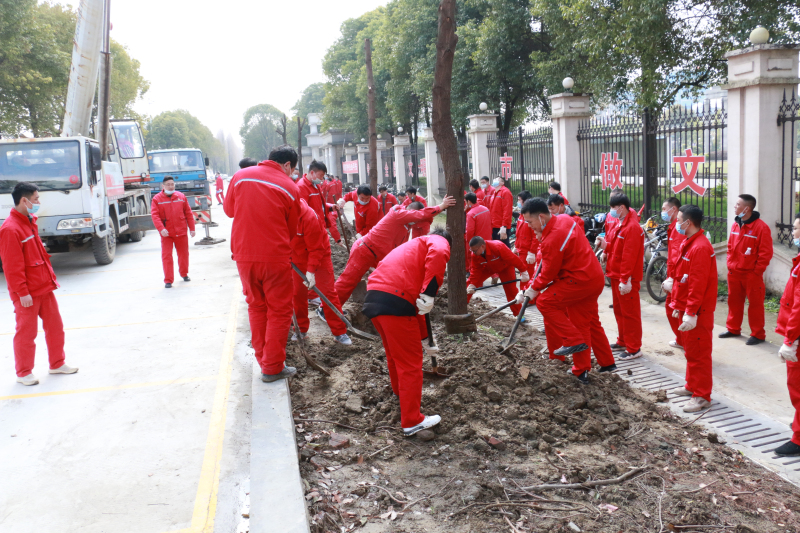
{"x": 609, "y": 507}
{"x": 524, "y": 372}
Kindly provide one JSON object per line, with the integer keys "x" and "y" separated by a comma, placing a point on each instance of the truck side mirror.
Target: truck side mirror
{"x": 97, "y": 161}
{"x": 206, "y": 161}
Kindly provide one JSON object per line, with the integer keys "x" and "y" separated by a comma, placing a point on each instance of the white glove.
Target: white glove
{"x": 689, "y": 323}
{"x": 519, "y": 297}
{"x": 359, "y": 236}
{"x": 471, "y": 289}
{"x": 667, "y": 285}
{"x": 531, "y": 294}
{"x": 428, "y": 349}
{"x": 340, "y": 203}
{"x": 524, "y": 277}
{"x": 676, "y": 314}
{"x": 424, "y": 304}
{"x": 788, "y": 352}
{"x": 502, "y": 233}
{"x": 164, "y": 233}
{"x": 603, "y": 258}
{"x": 601, "y": 242}
{"x": 625, "y": 288}
{"x": 311, "y": 280}
{"x": 531, "y": 259}
{"x": 513, "y": 249}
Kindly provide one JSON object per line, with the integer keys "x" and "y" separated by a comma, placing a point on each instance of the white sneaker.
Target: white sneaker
{"x": 675, "y": 344}
{"x": 28, "y": 380}
{"x": 343, "y": 339}
{"x": 64, "y": 369}
{"x": 315, "y": 301}
{"x": 681, "y": 391}
{"x": 429, "y": 422}
{"x": 302, "y": 335}
{"x": 696, "y": 404}
{"x": 627, "y": 356}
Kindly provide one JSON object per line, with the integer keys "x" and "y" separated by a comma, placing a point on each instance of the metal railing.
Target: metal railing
{"x": 524, "y": 158}
{"x": 789, "y": 120}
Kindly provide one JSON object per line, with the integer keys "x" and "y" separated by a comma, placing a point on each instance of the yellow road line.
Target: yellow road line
{"x": 133, "y": 323}
{"x": 110, "y": 387}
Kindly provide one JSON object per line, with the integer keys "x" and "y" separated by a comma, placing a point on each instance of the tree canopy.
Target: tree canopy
{"x": 263, "y": 129}
{"x": 181, "y": 129}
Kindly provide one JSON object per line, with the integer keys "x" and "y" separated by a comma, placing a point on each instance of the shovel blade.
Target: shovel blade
{"x": 435, "y": 372}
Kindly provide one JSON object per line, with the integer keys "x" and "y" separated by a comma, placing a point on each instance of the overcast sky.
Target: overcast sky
{"x": 217, "y": 58}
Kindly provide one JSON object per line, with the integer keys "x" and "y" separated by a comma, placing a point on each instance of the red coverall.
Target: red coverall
{"x": 389, "y": 233}
{"x": 264, "y": 204}
{"x": 28, "y": 273}
{"x": 385, "y": 203}
{"x": 625, "y": 260}
{"x": 487, "y": 195}
{"x": 789, "y": 327}
{"x": 501, "y": 204}
{"x": 315, "y": 198}
{"x": 311, "y": 252}
{"x": 566, "y": 202}
{"x": 526, "y": 242}
{"x": 479, "y": 224}
{"x": 366, "y": 215}
{"x": 749, "y": 254}
{"x": 675, "y": 240}
{"x": 406, "y": 272}
{"x": 497, "y": 259}
{"x": 695, "y": 293}
{"x": 422, "y": 228}
{"x": 220, "y": 189}
{"x": 335, "y": 191}
{"x": 481, "y": 196}
{"x": 173, "y": 214}
{"x": 569, "y": 305}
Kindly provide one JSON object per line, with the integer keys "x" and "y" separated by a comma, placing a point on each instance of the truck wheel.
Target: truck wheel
{"x": 141, "y": 209}
{"x": 104, "y": 248}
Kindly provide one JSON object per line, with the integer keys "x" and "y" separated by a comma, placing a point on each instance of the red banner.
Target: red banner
{"x": 689, "y": 174}
{"x": 350, "y": 167}
{"x": 610, "y": 169}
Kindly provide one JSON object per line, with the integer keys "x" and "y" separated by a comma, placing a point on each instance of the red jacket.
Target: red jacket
{"x": 674, "y": 242}
{"x": 366, "y": 215}
{"x": 417, "y": 198}
{"x": 220, "y": 184}
{"x": 487, "y": 194}
{"x": 496, "y": 258}
{"x": 392, "y": 230}
{"x": 501, "y": 204}
{"x": 386, "y": 203}
{"x": 626, "y": 250}
{"x": 479, "y": 223}
{"x": 265, "y": 204}
{"x": 526, "y": 240}
{"x": 25, "y": 262}
{"x": 335, "y": 188}
{"x": 481, "y": 196}
{"x": 315, "y": 198}
{"x": 566, "y": 202}
{"x": 750, "y": 246}
{"x": 695, "y": 287}
{"x": 171, "y": 212}
{"x": 409, "y": 269}
{"x": 310, "y": 244}
{"x": 565, "y": 254}
{"x": 789, "y": 313}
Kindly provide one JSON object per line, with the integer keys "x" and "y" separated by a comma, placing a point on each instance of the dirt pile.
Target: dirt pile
{"x": 516, "y": 432}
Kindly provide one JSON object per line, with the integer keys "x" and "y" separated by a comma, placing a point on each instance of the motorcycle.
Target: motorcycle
{"x": 656, "y": 249}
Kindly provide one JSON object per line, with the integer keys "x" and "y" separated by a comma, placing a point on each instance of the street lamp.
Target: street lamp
{"x": 380, "y": 136}
{"x": 568, "y": 84}
{"x": 400, "y": 129}
{"x": 363, "y": 140}
{"x": 483, "y": 107}
{"x": 760, "y": 35}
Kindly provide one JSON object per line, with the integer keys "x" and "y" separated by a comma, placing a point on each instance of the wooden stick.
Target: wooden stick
{"x": 401, "y": 502}
{"x": 373, "y": 454}
{"x": 410, "y": 505}
{"x": 696, "y": 490}
{"x": 326, "y": 422}
{"x": 696, "y": 419}
{"x": 588, "y": 484}
{"x": 513, "y": 529}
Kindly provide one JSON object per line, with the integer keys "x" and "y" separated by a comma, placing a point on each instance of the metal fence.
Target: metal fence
{"x": 525, "y": 158}
{"x": 682, "y": 152}
{"x": 387, "y": 174}
{"x": 464, "y": 148}
{"x": 411, "y": 165}
{"x": 789, "y": 120}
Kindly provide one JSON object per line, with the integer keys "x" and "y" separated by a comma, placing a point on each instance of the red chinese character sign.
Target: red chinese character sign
{"x": 350, "y": 167}
{"x": 610, "y": 170}
{"x": 423, "y": 167}
{"x": 689, "y": 174}
{"x": 505, "y": 165}
{"x": 386, "y": 170}
{"x": 410, "y": 169}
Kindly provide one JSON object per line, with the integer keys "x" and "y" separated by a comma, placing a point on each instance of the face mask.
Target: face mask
{"x": 544, "y": 224}
{"x": 484, "y": 185}
{"x": 680, "y": 229}
{"x": 363, "y": 203}
{"x": 316, "y": 182}
{"x": 168, "y": 193}
{"x": 796, "y": 242}
{"x": 496, "y": 183}
{"x": 33, "y": 209}
{"x": 519, "y": 204}
{"x": 665, "y": 216}
{"x": 613, "y": 214}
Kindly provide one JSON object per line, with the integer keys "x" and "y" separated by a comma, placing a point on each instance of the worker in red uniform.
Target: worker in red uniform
{"x": 411, "y": 196}
{"x": 389, "y": 233}
{"x": 501, "y": 205}
{"x": 386, "y": 200}
{"x": 399, "y": 293}
{"x": 367, "y": 209}
{"x": 487, "y": 189}
{"x": 526, "y": 245}
{"x": 220, "y": 185}
{"x": 479, "y": 223}
{"x": 311, "y": 253}
{"x": 624, "y": 256}
{"x": 31, "y": 282}
{"x": 490, "y": 257}
{"x": 555, "y": 188}
{"x": 171, "y": 216}
{"x": 475, "y": 188}
{"x": 789, "y": 326}
{"x": 312, "y": 190}
{"x": 749, "y": 254}
{"x": 558, "y": 206}
{"x": 265, "y": 206}
{"x": 566, "y": 290}
{"x": 694, "y": 298}
{"x": 336, "y": 189}
{"x": 669, "y": 214}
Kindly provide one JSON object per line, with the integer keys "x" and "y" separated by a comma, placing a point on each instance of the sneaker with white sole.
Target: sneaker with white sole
{"x": 343, "y": 339}
{"x": 675, "y": 344}
{"x": 64, "y": 369}
{"x": 696, "y": 404}
{"x": 616, "y": 347}
{"x": 302, "y": 336}
{"x": 287, "y": 372}
{"x": 321, "y": 314}
{"x": 28, "y": 380}
{"x": 429, "y": 422}
{"x": 315, "y": 301}
{"x": 681, "y": 391}
{"x": 627, "y": 356}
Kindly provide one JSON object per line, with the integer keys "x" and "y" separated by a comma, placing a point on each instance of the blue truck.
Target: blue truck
{"x": 187, "y": 166}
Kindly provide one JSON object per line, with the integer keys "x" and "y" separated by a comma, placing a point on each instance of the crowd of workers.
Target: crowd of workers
{"x": 555, "y": 263}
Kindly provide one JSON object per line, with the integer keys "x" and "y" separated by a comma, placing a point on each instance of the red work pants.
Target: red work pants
{"x": 628, "y": 312}
{"x": 571, "y": 317}
{"x": 324, "y": 282}
{"x": 673, "y": 322}
{"x": 220, "y": 197}
{"x": 750, "y": 286}
{"x": 793, "y": 382}
{"x": 182, "y": 248}
{"x": 360, "y": 261}
{"x": 334, "y": 230}
{"x": 402, "y": 341}
{"x": 511, "y": 289}
{"x": 268, "y": 291}
{"x": 697, "y": 349}
{"x": 46, "y": 307}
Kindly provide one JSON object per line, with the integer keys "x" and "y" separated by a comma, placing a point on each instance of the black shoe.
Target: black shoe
{"x": 168, "y": 285}
{"x": 787, "y": 448}
{"x": 616, "y": 347}
{"x": 321, "y": 314}
{"x": 287, "y": 372}
{"x": 583, "y": 377}
{"x": 728, "y": 335}
{"x": 566, "y": 350}
{"x": 752, "y": 341}
{"x": 609, "y": 368}
{"x": 186, "y": 278}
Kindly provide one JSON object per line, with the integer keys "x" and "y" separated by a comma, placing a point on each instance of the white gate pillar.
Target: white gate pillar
{"x": 434, "y": 180}
{"x": 480, "y": 126}
{"x": 363, "y": 155}
{"x": 567, "y": 110}
{"x": 400, "y": 144}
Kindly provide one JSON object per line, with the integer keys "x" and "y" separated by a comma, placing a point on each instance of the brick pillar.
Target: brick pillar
{"x": 480, "y": 126}
{"x": 568, "y": 110}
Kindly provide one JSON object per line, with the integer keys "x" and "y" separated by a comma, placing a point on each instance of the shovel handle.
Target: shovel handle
{"x": 431, "y": 343}
{"x": 495, "y": 310}
{"x": 496, "y": 285}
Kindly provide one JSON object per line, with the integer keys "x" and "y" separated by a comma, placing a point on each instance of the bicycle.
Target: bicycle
{"x": 656, "y": 244}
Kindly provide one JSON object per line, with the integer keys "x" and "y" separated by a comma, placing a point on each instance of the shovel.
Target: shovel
{"x": 310, "y": 361}
{"x": 496, "y": 285}
{"x": 354, "y": 331}
{"x": 509, "y": 341}
{"x": 341, "y": 225}
{"x": 495, "y": 310}
{"x": 436, "y": 371}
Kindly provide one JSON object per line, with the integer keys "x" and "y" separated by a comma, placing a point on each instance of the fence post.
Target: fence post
{"x": 400, "y": 143}
{"x": 480, "y": 126}
{"x": 567, "y": 110}
{"x": 381, "y": 143}
{"x": 649, "y": 161}
{"x": 521, "y": 159}
{"x": 363, "y": 154}
{"x": 435, "y": 182}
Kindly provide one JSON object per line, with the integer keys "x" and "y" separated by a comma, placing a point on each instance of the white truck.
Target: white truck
{"x": 91, "y": 195}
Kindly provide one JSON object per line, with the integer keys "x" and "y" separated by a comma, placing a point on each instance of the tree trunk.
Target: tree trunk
{"x": 373, "y": 136}
{"x": 446, "y": 141}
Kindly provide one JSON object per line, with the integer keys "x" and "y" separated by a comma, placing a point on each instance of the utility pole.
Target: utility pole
{"x": 373, "y": 136}
{"x": 300, "y": 126}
